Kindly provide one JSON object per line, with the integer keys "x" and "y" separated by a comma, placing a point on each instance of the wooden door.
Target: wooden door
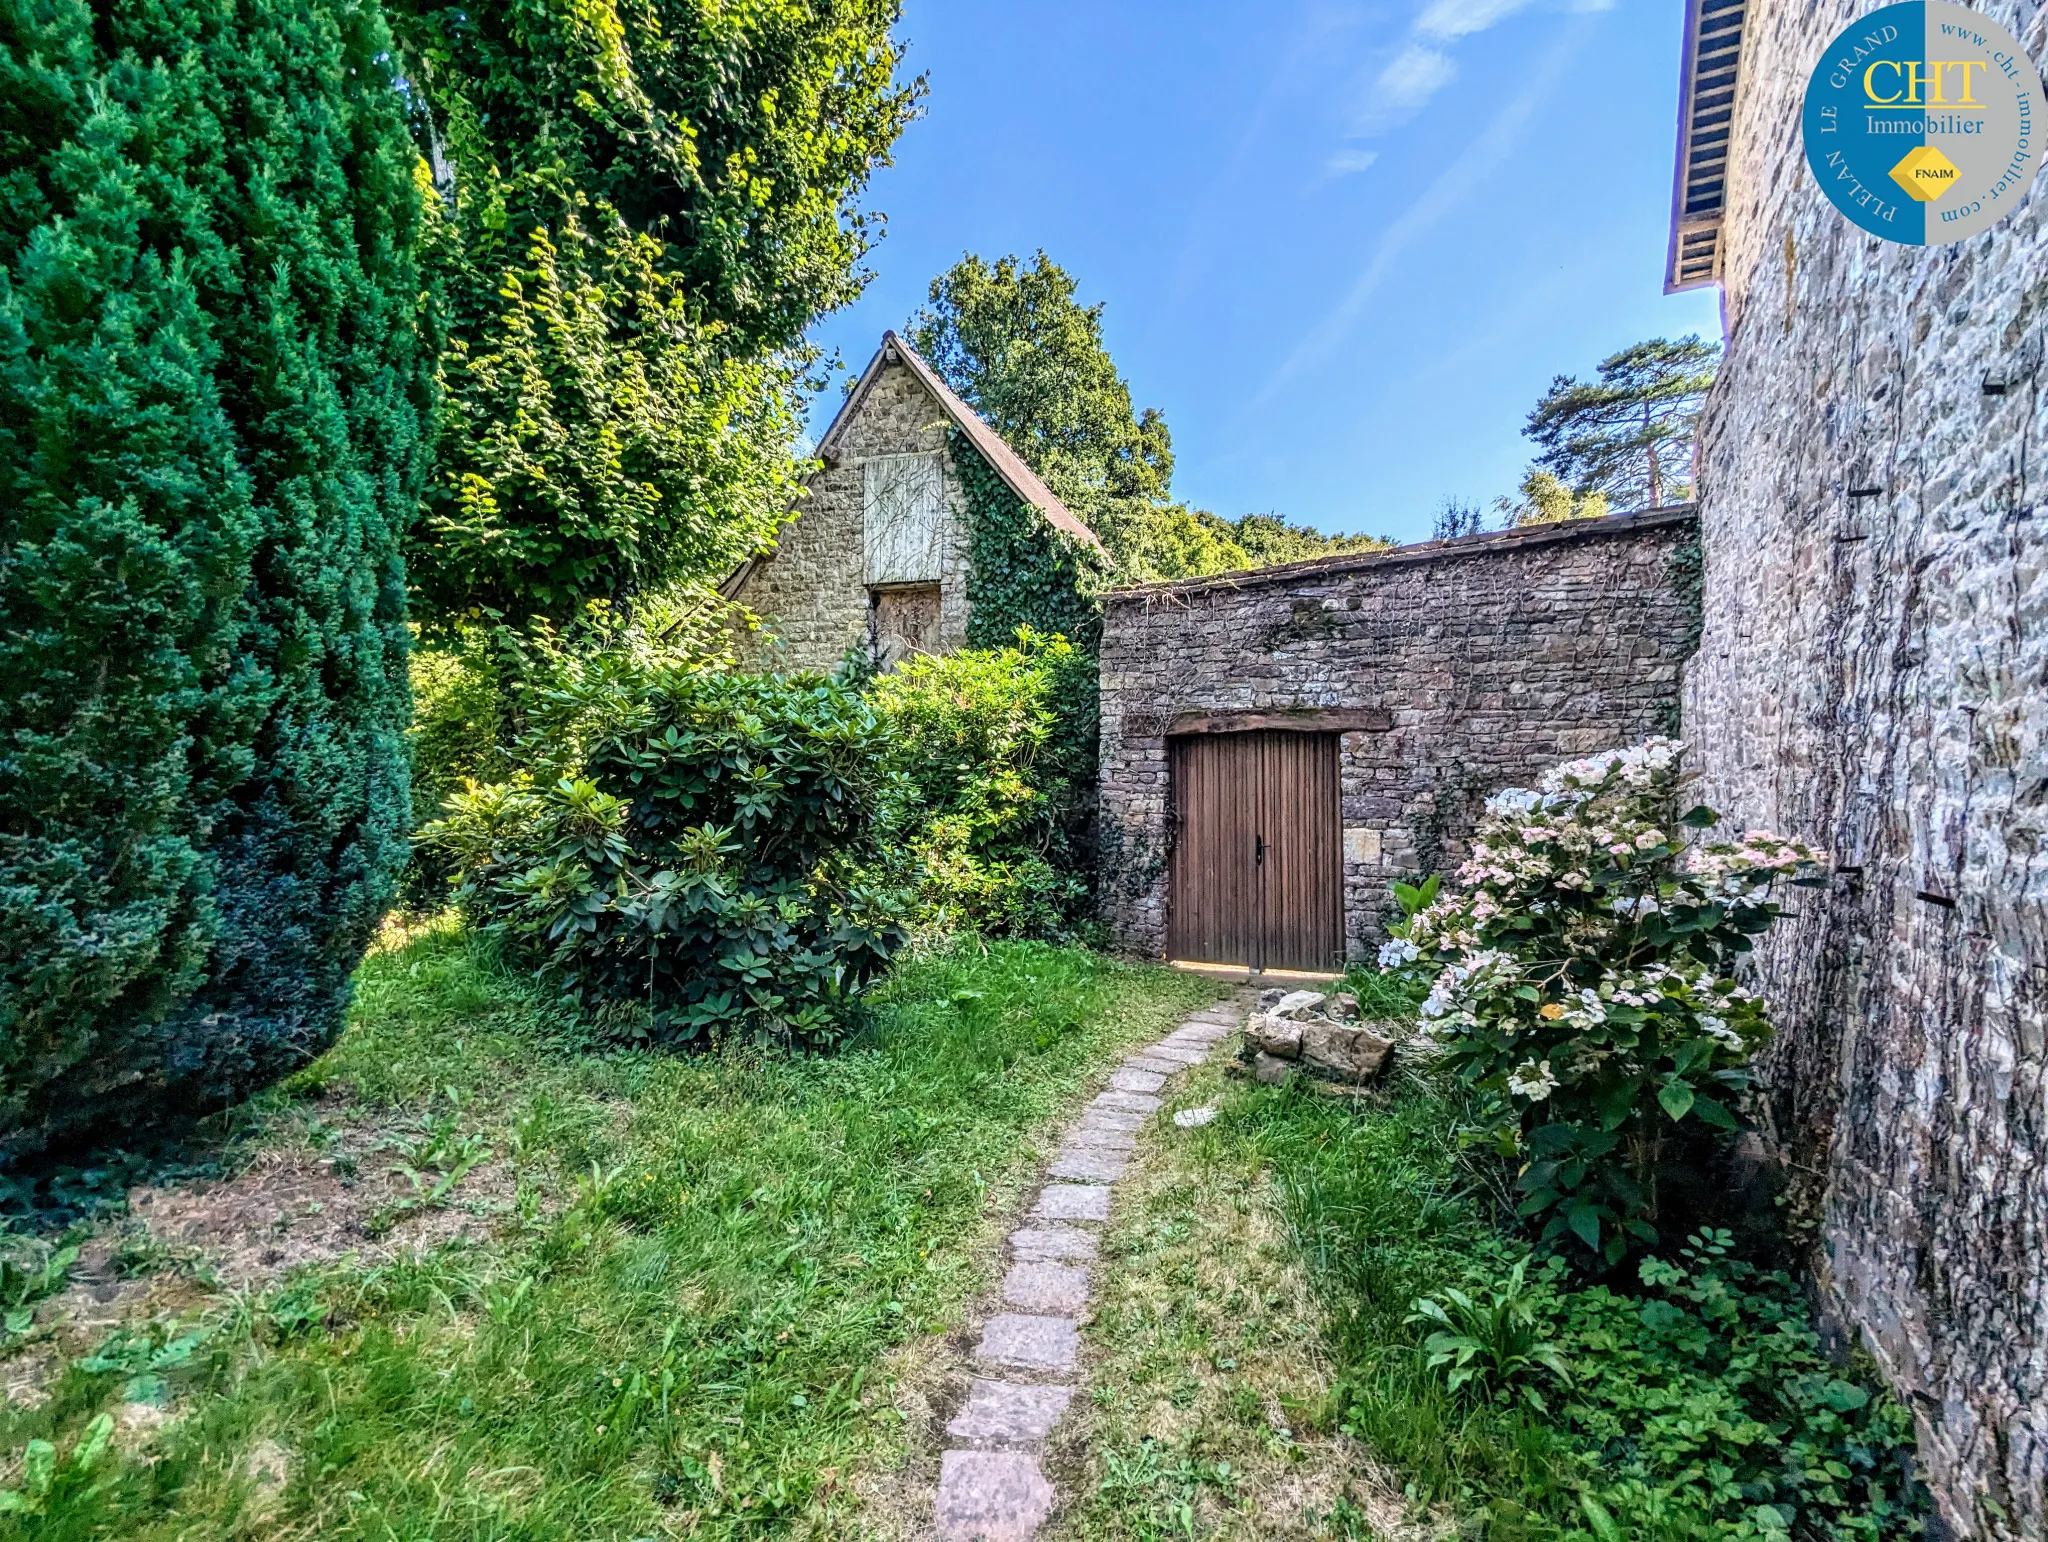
{"x": 1257, "y": 874}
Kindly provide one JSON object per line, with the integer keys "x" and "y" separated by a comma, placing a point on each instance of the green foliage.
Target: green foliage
{"x": 1023, "y": 571}
{"x": 1019, "y": 349}
{"x": 30, "y": 1268}
{"x": 1699, "y": 1405}
{"x": 986, "y": 796}
{"x": 1585, "y": 987}
{"x": 642, "y": 208}
{"x": 1628, "y": 435}
{"x": 682, "y": 852}
{"x": 477, "y": 686}
{"x": 1485, "y": 1335}
{"x": 682, "y": 1323}
{"x": 211, "y": 415}
{"x": 1544, "y": 500}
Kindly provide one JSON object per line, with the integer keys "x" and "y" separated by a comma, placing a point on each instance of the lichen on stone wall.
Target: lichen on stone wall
{"x": 1873, "y": 678}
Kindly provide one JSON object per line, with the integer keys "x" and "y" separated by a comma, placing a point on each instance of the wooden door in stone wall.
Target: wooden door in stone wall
{"x": 1257, "y": 873}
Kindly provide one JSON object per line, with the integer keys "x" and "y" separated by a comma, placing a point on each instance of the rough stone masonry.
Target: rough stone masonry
{"x": 1452, "y": 669}
{"x": 1874, "y": 678}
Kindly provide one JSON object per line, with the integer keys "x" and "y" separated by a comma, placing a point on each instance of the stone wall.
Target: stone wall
{"x": 812, "y": 590}
{"x": 1481, "y": 660}
{"x": 1872, "y": 679}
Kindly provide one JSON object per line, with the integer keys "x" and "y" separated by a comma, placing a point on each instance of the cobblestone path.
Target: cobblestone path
{"x": 1027, "y": 1366}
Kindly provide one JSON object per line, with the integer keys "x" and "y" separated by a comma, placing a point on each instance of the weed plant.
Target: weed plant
{"x": 1694, "y": 1404}
{"x": 680, "y": 1326}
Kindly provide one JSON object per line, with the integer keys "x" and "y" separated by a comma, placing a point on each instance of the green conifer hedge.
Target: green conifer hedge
{"x": 212, "y": 414}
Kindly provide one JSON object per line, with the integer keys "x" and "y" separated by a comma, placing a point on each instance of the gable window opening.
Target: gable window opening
{"x": 903, "y": 620}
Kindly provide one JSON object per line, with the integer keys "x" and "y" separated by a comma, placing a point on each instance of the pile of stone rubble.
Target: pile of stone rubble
{"x": 1318, "y": 1034}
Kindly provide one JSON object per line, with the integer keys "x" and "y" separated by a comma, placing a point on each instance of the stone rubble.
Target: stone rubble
{"x": 991, "y": 1486}
{"x": 1317, "y": 1033}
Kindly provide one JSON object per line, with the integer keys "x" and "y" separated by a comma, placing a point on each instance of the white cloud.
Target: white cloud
{"x": 1448, "y": 19}
{"x": 1404, "y": 87}
{"x": 1452, "y": 186}
{"x": 1345, "y": 162}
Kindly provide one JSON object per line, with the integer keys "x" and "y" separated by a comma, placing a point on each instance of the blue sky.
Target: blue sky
{"x": 1343, "y": 247}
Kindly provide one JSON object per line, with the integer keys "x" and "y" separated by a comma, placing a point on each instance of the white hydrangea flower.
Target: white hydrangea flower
{"x": 1397, "y": 952}
{"x": 1717, "y": 1028}
{"x": 1532, "y": 1080}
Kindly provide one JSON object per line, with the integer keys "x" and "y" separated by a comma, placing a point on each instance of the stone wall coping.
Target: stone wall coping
{"x": 1491, "y": 543}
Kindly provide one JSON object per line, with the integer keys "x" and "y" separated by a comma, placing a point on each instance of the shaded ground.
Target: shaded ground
{"x": 481, "y": 1276}
{"x": 1211, "y": 1410}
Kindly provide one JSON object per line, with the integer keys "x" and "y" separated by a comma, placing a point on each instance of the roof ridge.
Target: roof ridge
{"x": 1483, "y": 543}
{"x": 1004, "y": 461}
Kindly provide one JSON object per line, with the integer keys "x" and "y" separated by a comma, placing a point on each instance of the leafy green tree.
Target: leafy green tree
{"x": 1628, "y": 434}
{"x": 212, "y": 400}
{"x": 1025, "y": 354}
{"x": 1544, "y": 500}
{"x": 641, "y": 209}
{"x": 1019, "y": 348}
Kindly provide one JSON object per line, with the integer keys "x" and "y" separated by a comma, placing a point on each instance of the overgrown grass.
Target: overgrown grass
{"x": 1695, "y": 1400}
{"x": 676, "y": 1329}
{"x": 1210, "y": 1411}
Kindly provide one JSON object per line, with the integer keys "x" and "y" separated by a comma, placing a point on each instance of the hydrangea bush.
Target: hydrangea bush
{"x": 1584, "y": 980}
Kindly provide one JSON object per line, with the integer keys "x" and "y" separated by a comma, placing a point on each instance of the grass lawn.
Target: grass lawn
{"x": 673, "y": 1323}
{"x": 1698, "y": 1406}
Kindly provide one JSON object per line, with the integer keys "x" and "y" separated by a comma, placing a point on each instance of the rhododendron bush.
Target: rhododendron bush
{"x": 1584, "y": 983}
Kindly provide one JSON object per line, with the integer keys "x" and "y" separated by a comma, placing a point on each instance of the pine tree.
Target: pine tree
{"x": 1629, "y": 434}
{"x": 212, "y": 400}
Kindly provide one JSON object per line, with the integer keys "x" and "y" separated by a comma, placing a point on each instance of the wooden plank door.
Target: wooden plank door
{"x": 1257, "y": 873}
{"x": 1213, "y": 882}
{"x": 1302, "y": 874}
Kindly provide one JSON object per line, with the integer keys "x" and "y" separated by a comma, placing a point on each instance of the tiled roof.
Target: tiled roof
{"x": 1022, "y": 480}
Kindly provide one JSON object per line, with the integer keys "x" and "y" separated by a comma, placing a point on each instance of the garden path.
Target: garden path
{"x": 1027, "y": 1365}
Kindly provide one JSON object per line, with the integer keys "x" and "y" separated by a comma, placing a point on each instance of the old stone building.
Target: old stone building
{"x": 1277, "y": 746}
{"x": 881, "y": 554}
{"x": 1873, "y": 677}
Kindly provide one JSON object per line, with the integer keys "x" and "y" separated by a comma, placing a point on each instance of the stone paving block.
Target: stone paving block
{"x": 1072, "y": 1202}
{"x": 1088, "y": 1164}
{"x": 1136, "y": 1081}
{"x": 1058, "y": 1290}
{"x": 1052, "y": 1242}
{"x": 1031, "y": 1340}
{"x": 991, "y": 1496}
{"x": 1121, "y": 1119}
{"x": 1135, "y": 1102}
{"x": 1205, "y": 1033}
{"x": 1200, "y": 1041}
{"x": 1176, "y": 1054}
{"x": 1158, "y": 1065}
{"x": 1007, "y": 1413}
{"x": 1227, "y": 1016}
{"x": 1101, "y": 1139}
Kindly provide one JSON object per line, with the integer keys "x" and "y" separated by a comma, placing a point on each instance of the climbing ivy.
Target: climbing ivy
{"x": 1022, "y": 570}
{"x": 1023, "y": 573}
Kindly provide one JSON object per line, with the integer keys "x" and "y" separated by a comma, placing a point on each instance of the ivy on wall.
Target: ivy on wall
{"x": 1021, "y": 570}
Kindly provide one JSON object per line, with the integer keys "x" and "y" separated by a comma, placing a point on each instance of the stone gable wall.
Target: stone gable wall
{"x": 1873, "y": 677}
{"x": 811, "y": 590}
{"x": 1492, "y": 658}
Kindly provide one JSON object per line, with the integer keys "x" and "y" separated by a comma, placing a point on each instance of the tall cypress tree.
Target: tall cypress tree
{"x": 212, "y": 418}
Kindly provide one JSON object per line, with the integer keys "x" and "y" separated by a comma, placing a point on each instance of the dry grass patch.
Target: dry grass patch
{"x": 1209, "y": 1411}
